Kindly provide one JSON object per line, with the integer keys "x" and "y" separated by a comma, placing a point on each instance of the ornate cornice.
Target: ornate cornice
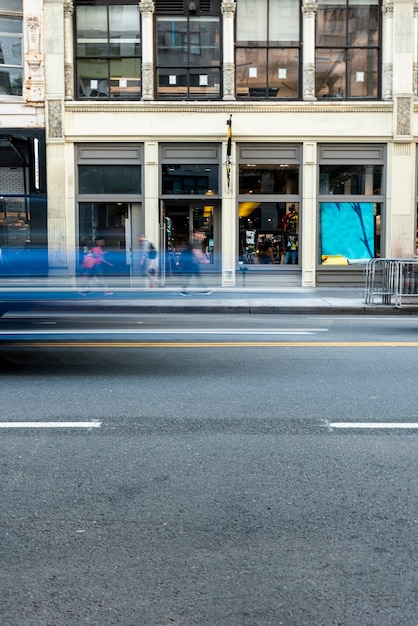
{"x": 228, "y": 107}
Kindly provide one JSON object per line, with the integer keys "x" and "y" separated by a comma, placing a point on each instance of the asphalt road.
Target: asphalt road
{"x": 193, "y": 471}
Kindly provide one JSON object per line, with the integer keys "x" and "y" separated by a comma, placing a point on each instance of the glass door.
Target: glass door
{"x": 186, "y": 223}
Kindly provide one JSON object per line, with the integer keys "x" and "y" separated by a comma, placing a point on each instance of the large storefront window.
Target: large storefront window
{"x": 11, "y": 48}
{"x": 110, "y": 201}
{"x": 350, "y": 221}
{"x": 23, "y": 207}
{"x": 269, "y": 205}
{"x": 347, "y": 49}
{"x": 108, "y": 50}
{"x": 268, "y": 49}
{"x": 188, "y": 52}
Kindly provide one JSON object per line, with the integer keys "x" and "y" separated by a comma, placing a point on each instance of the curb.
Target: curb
{"x": 204, "y": 308}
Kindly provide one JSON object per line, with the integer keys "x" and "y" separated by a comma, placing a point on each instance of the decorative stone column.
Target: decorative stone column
{"x": 387, "y": 49}
{"x": 147, "y": 9}
{"x": 415, "y": 78}
{"x": 309, "y": 11}
{"x": 34, "y": 87}
{"x": 68, "y": 50}
{"x": 228, "y": 9}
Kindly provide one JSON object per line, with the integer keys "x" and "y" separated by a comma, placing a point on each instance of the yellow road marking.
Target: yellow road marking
{"x": 214, "y": 344}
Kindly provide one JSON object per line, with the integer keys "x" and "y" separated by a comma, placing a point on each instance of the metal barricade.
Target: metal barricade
{"x": 394, "y": 281}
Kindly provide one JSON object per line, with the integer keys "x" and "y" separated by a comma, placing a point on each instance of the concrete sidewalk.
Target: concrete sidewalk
{"x": 56, "y": 294}
{"x": 285, "y": 300}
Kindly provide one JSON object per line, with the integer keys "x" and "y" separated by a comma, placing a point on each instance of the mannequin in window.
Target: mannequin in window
{"x": 291, "y": 233}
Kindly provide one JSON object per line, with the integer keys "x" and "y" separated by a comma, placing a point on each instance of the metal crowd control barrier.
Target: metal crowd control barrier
{"x": 393, "y": 281}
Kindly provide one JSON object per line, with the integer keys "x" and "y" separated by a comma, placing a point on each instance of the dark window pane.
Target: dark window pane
{"x": 350, "y": 180}
{"x": 11, "y": 81}
{"x": 269, "y": 179}
{"x": 172, "y": 41}
{"x": 189, "y": 179}
{"x": 109, "y": 179}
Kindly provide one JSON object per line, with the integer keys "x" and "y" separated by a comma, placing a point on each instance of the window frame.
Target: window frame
{"x": 131, "y": 90}
{"x": 189, "y": 70}
{"x": 271, "y": 91}
{"x": 14, "y": 14}
{"x": 345, "y": 52}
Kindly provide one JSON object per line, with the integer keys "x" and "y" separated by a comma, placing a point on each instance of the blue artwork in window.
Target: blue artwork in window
{"x": 347, "y": 230}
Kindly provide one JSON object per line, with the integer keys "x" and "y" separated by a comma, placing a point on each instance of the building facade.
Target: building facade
{"x": 281, "y": 135}
{"x": 23, "y": 200}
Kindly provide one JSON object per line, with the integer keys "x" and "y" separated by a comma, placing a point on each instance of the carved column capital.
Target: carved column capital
{"x": 229, "y": 6}
{"x": 147, "y": 6}
{"x": 387, "y": 8}
{"x": 309, "y": 7}
{"x": 68, "y": 8}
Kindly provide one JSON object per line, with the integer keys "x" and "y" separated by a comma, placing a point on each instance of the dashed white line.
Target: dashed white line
{"x": 50, "y": 424}
{"x": 404, "y": 425}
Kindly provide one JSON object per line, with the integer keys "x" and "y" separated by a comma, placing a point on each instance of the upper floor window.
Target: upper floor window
{"x": 347, "y": 49}
{"x": 11, "y": 57}
{"x": 108, "y": 50}
{"x": 267, "y": 53}
{"x": 188, "y": 56}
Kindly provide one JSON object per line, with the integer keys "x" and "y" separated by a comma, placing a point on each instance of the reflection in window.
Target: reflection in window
{"x": 279, "y": 179}
{"x": 11, "y": 58}
{"x": 350, "y": 179}
{"x": 347, "y": 49}
{"x": 268, "y": 49}
{"x": 108, "y": 52}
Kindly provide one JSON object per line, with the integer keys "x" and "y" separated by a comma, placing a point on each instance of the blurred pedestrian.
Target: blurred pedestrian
{"x": 148, "y": 261}
{"x": 100, "y": 262}
{"x": 190, "y": 261}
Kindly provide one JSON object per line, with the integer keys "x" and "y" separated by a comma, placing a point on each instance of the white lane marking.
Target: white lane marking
{"x": 374, "y": 424}
{"x": 50, "y": 424}
{"x": 156, "y": 331}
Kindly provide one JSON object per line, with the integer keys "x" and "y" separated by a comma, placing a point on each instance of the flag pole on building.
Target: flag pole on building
{"x": 229, "y": 152}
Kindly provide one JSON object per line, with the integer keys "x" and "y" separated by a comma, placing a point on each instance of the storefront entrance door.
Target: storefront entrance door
{"x": 197, "y": 223}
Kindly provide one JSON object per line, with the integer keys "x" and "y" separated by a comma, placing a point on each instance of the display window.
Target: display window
{"x": 269, "y": 205}
{"x": 350, "y": 232}
{"x": 350, "y": 204}
{"x": 268, "y": 233}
